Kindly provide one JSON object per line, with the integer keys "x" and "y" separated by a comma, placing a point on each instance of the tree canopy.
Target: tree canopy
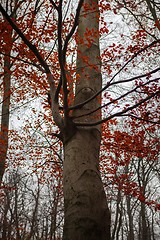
{"x": 77, "y": 77}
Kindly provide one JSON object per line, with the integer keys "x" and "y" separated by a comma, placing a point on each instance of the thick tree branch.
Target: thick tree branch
{"x": 54, "y": 105}
{"x": 54, "y": 5}
{"x": 63, "y": 79}
{"x": 62, "y": 55}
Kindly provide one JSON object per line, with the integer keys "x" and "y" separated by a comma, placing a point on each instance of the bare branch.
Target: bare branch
{"x": 141, "y": 119}
{"x": 118, "y": 114}
{"x": 136, "y": 18}
{"x": 117, "y": 99}
{"x": 73, "y": 27}
{"x": 153, "y": 12}
{"x": 24, "y": 61}
{"x": 109, "y": 83}
{"x": 62, "y": 55}
{"x": 54, "y": 5}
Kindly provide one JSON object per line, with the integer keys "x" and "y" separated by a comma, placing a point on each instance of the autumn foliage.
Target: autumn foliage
{"x": 40, "y": 40}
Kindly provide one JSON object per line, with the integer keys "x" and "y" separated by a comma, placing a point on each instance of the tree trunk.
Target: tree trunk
{"x": 86, "y": 213}
{"x": 145, "y": 228}
{"x": 5, "y": 115}
{"x": 130, "y": 218}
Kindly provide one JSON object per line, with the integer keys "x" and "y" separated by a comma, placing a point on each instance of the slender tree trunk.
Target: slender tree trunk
{"x": 5, "y": 115}
{"x": 8, "y": 43}
{"x": 117, "y": 215}
{"x": 145, "y": 228}
{"x": 16, "y": 214}
{"x": 130, "y": 218}
{"x": 130, "y": 234}
{"x": 86, "y": 213}
{"x": 5, "y": 223}
{"x": 34, "y": 215}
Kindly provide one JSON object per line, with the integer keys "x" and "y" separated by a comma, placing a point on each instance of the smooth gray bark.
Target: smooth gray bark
{"x": 86, "y": 213}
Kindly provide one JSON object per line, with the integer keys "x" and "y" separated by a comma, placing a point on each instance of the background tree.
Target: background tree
{"x": 6, "y": 33}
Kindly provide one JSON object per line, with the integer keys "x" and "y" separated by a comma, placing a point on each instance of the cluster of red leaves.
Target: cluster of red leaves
{"x": 120, "y": 148}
